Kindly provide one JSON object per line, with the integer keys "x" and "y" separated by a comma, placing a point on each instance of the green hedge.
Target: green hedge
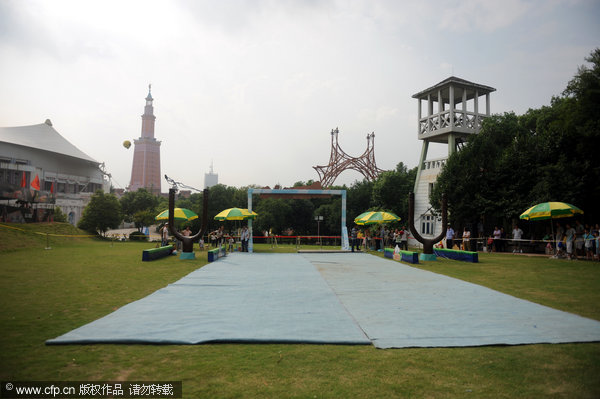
{"x": 138, "y": 236}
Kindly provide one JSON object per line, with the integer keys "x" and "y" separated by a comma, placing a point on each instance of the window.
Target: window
{"x": 427, "y": 224}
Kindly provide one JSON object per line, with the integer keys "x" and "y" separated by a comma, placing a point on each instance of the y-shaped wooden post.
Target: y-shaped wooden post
{"x": 188, "y": 242}
{"x": 427, "y": 242}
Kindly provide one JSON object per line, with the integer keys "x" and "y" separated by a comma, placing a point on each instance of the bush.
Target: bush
{"x": 59, "y": 216}
{"x": 138, "y": 235}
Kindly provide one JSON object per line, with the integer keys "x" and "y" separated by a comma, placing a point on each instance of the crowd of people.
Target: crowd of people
{"x": 497, "y": 241}
{"x": 571, "y": 240}
{"x": 576, "y": 241}
{"x": 364, "y": 239}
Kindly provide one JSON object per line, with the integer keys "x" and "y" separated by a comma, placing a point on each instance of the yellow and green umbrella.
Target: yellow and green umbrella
{"x": 378, "y": 217}
{"x": 236, "y": 214}
{"x": 178, "y": 214}
{"x": 550, "y": 210}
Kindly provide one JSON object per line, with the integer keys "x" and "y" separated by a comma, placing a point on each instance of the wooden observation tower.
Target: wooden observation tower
{"x": 453, "y": 110}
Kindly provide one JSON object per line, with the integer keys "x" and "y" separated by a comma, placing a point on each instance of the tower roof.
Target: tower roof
{"x": 482, "y": 89}
{"x": 42, "y": 137}
{"x": 149, "y": 96}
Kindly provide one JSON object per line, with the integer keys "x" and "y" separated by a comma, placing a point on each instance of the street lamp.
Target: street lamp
{"x": 319, "y": 219}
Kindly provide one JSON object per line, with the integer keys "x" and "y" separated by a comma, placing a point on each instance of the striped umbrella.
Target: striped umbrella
{"x": 236, "y": 214}
{"x": 373, "y": 217}
{"x": 179, "y": 214}
{"x": 550, "y": 210}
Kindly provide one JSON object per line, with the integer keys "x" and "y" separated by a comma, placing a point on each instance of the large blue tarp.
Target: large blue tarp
{"x": 400, "y": 306}
{"x": 337, "y": 298}
{"x": 241, "y": 298}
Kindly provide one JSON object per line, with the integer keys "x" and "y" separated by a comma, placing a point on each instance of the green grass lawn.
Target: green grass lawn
{"x": 46, "y": 293}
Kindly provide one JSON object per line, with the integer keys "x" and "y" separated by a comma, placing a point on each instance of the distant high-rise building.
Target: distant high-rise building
{"x": 211, "y": 178}
{"x": 145, "y": 171}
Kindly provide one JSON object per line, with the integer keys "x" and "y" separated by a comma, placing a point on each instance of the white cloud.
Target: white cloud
{"x": 482, "y": 15}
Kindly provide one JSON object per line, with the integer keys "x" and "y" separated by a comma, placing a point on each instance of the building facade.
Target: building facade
{"x": 145, "y": 170}
{"x": 448, "y": 113}
{"x": 40, "y": 169}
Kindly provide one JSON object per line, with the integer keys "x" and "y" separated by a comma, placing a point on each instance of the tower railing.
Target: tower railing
{"x": 461, "y": 119}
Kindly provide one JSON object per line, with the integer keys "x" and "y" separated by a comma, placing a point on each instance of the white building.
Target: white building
{"x": 67, "y": 176}
{"x": 454, "y": 109}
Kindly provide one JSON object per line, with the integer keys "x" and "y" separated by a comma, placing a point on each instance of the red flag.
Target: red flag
{"x": 52, "y": 188}
{"x": 36, "y": 183}
{"x": 24, "y": 180}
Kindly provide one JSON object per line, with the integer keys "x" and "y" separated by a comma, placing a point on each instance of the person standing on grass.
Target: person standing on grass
{"x": 360, "y": 238}
{"x": 231, "y": 242}
{"x": 560, "y": 233}
{"x": 502, "y": 239}
{"x": 404, "y": 238}
{"x": 466, "y": 237}
{"x": 221, "y": 236}
{"x": 588, "y": 240}
{"x": 597, "y": 242}
{"x": 570, "y": 238}
{"x": 353, "y": 238}
{"x": 398, "y": 239}
{"x": 380, "y": 232}
{"x": 497, "y": 237}
{"x": 480, "y": 229}
{"x": 244, "y": 237}
{"x": 517, "y": 235}
{"x": 164, "y": 234}
{"x": 579, "y": 238}
{"x": 449, "y": 237}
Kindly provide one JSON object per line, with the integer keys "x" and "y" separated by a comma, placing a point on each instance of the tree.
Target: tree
{"x": 332, "y": 215}
{"x": 144, "y": 218}
{"x": 358, "y": 198}
{"x": 220, "y": 197}
{"x": 483, "y": 178}
{"x": 59, "y": 215}
{"x": 302, "y": 215}
{"x": 391, "y": 189}
{"x": 275, "y": 214}
{"x": 301, "y": 183}
{"x": 102, "y": 213}
{"x": 138, "y": 201}
{"x": 585, "y": 87}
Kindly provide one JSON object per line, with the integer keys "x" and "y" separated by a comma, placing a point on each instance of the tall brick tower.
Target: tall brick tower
{"x": 145, "y": 171}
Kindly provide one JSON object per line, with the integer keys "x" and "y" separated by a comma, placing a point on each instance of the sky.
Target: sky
{"x": 255, "y": 87}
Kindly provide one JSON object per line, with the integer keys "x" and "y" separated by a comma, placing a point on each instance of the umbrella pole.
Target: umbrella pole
{"x": 555, "y": 249}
